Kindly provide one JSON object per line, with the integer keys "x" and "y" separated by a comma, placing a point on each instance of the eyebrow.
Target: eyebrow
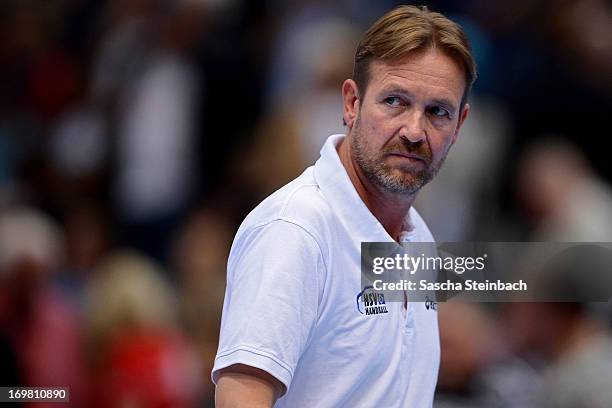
{"x": 447, "y": 103}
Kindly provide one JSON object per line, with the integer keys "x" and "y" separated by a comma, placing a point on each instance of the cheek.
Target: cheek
{"x": 377, "y": 126}
{"x": 372, "y": 128}
{"x": 441, "y": 142}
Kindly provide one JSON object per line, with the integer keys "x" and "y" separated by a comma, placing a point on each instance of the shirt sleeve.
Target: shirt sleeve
{"x": 271, "y": 299}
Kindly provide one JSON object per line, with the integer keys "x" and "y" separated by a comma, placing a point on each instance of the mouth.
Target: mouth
{"x": 408, "y": 156}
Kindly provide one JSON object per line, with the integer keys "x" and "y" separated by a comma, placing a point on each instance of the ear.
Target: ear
{"x": 464, "y": 114}
{"x": 350, "y": 100}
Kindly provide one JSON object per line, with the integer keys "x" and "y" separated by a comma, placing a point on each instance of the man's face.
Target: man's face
{"x": 401, "y": 130}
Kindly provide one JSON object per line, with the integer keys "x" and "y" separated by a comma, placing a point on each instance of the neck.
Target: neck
{"x": 390, "y": 209}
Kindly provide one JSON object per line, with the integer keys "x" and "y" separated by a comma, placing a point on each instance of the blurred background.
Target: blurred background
{"x": 135, "y": 135}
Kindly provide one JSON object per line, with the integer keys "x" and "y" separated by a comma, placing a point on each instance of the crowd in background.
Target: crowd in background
{"x": 136, "y": 134}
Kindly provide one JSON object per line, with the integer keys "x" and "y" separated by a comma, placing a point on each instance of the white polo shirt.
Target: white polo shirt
{"x": 292, "y": 305}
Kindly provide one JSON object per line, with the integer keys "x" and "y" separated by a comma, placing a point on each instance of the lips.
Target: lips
{"x": 412, "y": 156}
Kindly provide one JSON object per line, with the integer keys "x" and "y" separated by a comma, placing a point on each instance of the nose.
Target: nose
{"x": 413, "y": 128}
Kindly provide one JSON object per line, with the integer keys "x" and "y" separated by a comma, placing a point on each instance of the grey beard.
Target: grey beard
{"x": 380, "y": 175}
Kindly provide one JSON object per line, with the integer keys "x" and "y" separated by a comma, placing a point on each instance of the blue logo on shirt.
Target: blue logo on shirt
{"x": 370, "y": 302}
{"x": 431, "y": 304}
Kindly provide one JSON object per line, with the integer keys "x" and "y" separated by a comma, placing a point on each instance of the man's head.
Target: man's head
{"x": 407, "y": 99}
{"x": 410, "y": 29}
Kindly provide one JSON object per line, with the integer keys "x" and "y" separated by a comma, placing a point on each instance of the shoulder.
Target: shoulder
{"x": 299, "y": 203}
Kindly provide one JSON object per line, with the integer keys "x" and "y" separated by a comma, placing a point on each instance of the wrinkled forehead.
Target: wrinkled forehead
{"x": 431, "y": 70}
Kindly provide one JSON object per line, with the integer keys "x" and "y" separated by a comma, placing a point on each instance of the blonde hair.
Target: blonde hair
{"x": 407, "y": 29}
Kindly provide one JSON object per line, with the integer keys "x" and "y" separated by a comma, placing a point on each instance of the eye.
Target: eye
{"x": 393, "y": 101}
{"x": 439, "y": 112}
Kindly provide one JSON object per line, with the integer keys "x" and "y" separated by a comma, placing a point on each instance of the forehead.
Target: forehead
{"x": 430, "y": 72}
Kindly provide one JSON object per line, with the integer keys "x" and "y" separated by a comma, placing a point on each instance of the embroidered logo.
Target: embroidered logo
{"x": 370, "y": 302}
{"x": 431, "y": 304}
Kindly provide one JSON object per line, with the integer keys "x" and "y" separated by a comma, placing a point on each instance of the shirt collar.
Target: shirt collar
{"x": 336, "y": 186}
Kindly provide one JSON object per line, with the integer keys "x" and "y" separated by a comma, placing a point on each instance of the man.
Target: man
{"x": 293, "y": 331}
